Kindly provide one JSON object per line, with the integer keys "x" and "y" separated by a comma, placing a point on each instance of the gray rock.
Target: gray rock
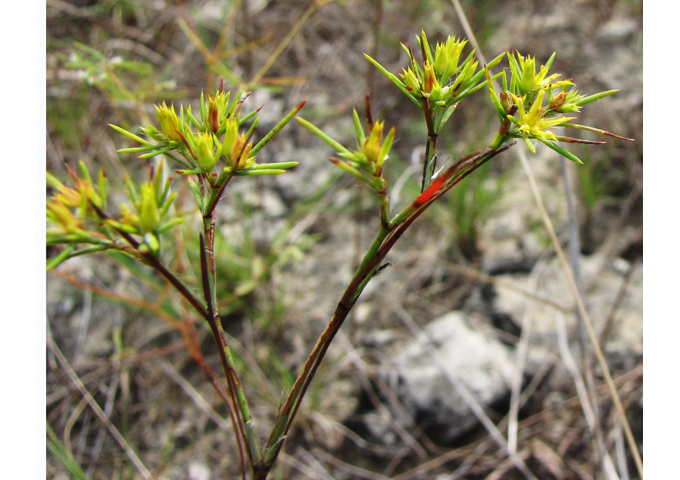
{"x": 480, "y": 362}
{"x": 602, "y": 281}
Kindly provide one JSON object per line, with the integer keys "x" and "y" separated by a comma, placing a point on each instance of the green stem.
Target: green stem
{"x": 383, "y": 243}
{"x": 213, "y": 318}
{"x": 372, "y": 251}
{"x": 155, "y": 263}
{"x": 431, "y": 147}
{"x": 384, "y": 200}
{"x": 289, "y": 410}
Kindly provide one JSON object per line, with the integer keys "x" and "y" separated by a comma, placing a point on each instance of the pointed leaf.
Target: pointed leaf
{"x": 131, "y": 135}
{"x": 319, "y": 133}
{"x": 277, "y": 128}
{"x": 394, "y": 79}
{"x": 562, "y": 151}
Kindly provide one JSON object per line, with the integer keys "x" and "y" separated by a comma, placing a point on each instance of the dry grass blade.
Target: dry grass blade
{"x": 403, "y": 420}
{"x": 284, "y": 43}
{"x": 506, "y": 466}
{"x": 548, "y": 458}
{"x": 195, "y": 396}
{"x": 310, "y": 467}
{"x": 584, "y": 314}
{"x": 522, "y": 349}
{"x": 78, "y": 384}
{"x": 427, "y": 344}
{"x": 355, "y": 471}
{"x": 472, "y": 273}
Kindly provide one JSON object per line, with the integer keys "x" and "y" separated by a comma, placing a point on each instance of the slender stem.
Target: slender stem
{"x": 213, "y": 318}
{"x": 431, "y": 147}
{"x": 185, "y": 291}
{"x": 383, "y": 243}
{"x": 384, "y": 200}
{"x": 372, "y": 251}
{"x": 216, "y": 194}
{"x": 152, "y": 261}
{"x": 189, "y": 334}
{"x": 349, "y": 298}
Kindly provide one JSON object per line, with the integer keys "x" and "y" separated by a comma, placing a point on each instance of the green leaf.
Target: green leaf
{"x": 196, "y": 190}
{"x": 158, "y": 152}
{"x": 251, "y": 172}
{"x": 529, "y": 144}
{"x": 167, "y": 226}
{"x": 350, "y": 169}
{"x": 597, "y": 96}
{"x": 395, "y": 80}
{"x": 385, "y": 149}
{"x": 131, "y": 135}
{"x": 359, "y": 130}
{"x": 136, "y": 149}
{"x": 319, "y": 133}
{"x": 276, "y": 129}
{"x": 445, "y": 117}
{"x": 64, "y": 255}
{"x": 62, "y": 455}
{"x": 595, "y": 130}
{"x": 270, "y": 166}
{"x": 562, "y": 151}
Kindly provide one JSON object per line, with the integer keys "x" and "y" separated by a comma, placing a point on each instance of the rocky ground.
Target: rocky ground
{"x": 467, "y": 324}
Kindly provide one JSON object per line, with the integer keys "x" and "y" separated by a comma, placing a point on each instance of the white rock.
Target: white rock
{"x": 480, "y": 362}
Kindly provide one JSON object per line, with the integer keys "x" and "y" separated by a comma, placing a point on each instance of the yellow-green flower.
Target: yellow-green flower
{"x": 240, "y": 152}
{"x": 205, "y": 149}
{"x": 64, "y": 216}
{"x": 531, "y": 124}
{"x": 374, "y": 150}
{"x": 149, "y": 214}
{"x": 230, "y": 135}
{"x": 129, "y": 218}
{"x": 430, "y": 82}
{"x": 217, "y": 108}
{"x": 372, "y": 145}
{"x": 170, "y": 124}
{"x": 411, "y": 80}
{"x": 66, "y": 196}
{"x": 527, "y": 78}
{"x": 567, "y": 101}
{"x": 446, "y": 57}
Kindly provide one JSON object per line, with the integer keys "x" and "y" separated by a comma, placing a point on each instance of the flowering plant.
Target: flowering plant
{"x": 217, "y": 144}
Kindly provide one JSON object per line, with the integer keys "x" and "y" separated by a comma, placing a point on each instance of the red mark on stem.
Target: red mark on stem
{"x": 432, "y": 189}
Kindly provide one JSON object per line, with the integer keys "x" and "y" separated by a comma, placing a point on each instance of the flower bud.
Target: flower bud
{"x": 528, "y": 80}
{"x": 213, "y": 116}
{"x": 149, "y": 215}
{"x": 127, "y": 217}
{"x": 372, "y": 145}
{"x": 230, "y": 135}
{"x": 240, "y": 152}
{"x": 506, "y": 101}
{"x": 446, "y": 57}
{"x": 411, "y": 81}
{"x": 559, "y": 100}
{"x": 206, "y": 156}
{"x": 217, "y": 108}
{"x": 64, "y": 215}
{"x": 430, "y": 82}
{"x": 170, "y": 124}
